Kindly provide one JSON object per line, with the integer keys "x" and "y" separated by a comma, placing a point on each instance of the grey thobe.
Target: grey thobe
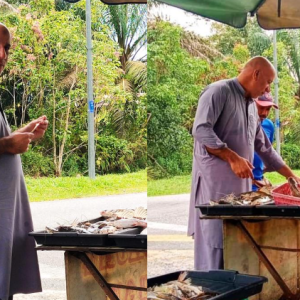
{"x": 19, "y": 270}
{"x": 224, "y": 118}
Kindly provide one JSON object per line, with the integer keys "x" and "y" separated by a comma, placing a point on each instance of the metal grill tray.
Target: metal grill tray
{"x": 72, "y": 238}
{"x": 229, "y": 285}
{"x": 130, "y": 238}
{"x": 262, "y": 210}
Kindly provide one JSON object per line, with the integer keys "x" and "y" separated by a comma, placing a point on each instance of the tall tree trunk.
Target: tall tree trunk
{"x": 54, "y": 127}
{"x": 14, "y": 98}
{"x": 62, "y": 146}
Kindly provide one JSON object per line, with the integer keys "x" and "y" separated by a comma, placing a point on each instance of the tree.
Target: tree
{"x": 46, "y": 74}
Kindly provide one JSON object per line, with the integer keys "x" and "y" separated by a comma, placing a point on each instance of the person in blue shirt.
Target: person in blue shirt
{"x": 264, "y": 104}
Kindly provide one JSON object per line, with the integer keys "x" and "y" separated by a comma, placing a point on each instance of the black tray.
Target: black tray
{"x": 227, "y": 210}
{"x": 130, "y": 238}
{"x": 72, "y": 238}
{"x": 229, "y": 285}
{"x": 261, "y": 210}
{"x": 278, "y": 210}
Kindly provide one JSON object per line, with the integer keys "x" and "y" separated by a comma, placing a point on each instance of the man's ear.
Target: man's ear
{"x": 256, "y": 74}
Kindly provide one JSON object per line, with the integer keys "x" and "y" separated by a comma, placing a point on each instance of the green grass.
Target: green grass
{"x": 182, "y": 184}
{"x": 171, "y": 186}
{"x": 43, "y": 189}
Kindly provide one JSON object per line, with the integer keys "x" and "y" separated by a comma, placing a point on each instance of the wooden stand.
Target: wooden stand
{"x": 266, "y": 246}
{"x": 104, "y": 273}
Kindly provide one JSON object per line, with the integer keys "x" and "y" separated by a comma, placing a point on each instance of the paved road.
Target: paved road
{"x": 52, "y": 213}
{"x": 169, "y": 247}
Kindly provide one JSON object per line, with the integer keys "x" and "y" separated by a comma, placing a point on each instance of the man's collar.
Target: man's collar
{"x": 241, "y": 89}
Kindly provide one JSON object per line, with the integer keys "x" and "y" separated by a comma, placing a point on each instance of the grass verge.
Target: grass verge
{"x": 44, "y": 189}
{"x": 182, "y": 184}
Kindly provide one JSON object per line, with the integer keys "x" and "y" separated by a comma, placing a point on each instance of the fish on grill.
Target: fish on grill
{"x": 249, "y": 198}
{"x": 113, "y": 221}
{"x": 126, "y": 223}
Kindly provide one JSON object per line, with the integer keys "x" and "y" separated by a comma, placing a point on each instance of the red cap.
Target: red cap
{"x": 266, "y": 100}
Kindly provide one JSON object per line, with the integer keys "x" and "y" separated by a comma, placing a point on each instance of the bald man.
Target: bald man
{"x": 19, "y": 271}
{"x": 226, "y": 132}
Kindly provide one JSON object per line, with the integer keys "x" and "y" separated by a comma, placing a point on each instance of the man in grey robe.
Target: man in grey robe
{"x": 19, "y": 270}
{"x": 226, "y": 132}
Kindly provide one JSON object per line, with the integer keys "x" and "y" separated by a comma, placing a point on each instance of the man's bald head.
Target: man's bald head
{"x": 257, "y": 76}
{"x": 5, "y": 41}
{"x": 258, "y": 62}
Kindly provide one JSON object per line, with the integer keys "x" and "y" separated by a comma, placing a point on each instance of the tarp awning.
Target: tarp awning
{"x": 271, "y": 14}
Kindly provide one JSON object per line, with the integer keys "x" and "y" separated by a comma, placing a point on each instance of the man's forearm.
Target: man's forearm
{"x": 239, "y": 165}
{"x": 3, "y": 145}
{"x": 286, "y": 172}
{"x": 225, "y": 153}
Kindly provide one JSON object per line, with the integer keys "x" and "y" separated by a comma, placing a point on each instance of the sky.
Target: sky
{"x": 185, "y": 19}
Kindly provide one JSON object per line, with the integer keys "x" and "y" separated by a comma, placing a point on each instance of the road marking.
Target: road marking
{"x": 169, "y": 238}
{"x": 164, "y": 226}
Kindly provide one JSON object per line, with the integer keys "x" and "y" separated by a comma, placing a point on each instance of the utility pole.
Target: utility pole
{"x": 90, "y": 99}
{"x": 277, "y": 120}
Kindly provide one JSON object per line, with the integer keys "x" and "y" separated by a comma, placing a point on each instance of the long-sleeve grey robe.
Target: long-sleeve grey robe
{"x": 224, "y": 118}
{"x": 19, "y": 270}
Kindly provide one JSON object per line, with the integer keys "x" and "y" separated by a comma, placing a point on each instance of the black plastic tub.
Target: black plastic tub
{"x": 72, "y": 238}
{"x": 227, "y": 210}
{"x": 130, "y": 238}
{"x": 229, "y": 285}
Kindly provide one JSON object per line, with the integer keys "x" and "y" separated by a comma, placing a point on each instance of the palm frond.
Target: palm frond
{"x": 137, "y": 73}
{"x": 5, "y": 7}
{"x": 128, "y": 25}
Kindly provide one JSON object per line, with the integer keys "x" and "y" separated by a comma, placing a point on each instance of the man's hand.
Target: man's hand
{"x": 240, "y": 166}
{"x": 287, "y": 172}
{"x": 16, "y": 143}
{"x": 297, "y": 179}
{"x": 37, "y": 127}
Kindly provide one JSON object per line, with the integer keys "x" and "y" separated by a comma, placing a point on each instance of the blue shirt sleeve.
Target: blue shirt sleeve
{"x": 269, "y": 129}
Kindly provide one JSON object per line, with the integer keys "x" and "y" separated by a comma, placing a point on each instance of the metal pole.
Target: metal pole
{"x": 277, "y": 120}
{"x": 90, "y": 100}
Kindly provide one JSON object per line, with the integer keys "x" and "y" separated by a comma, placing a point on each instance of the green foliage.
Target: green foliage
{"x": 46, "y": 74}
{"x": 113, "y": 155}
{"x": 173, "y": 89}
{"x": 241, "y": 53}
{"x": 291, "y": 154}
{"x": 175, "y": 80}
{"x": 226, "y": 38}
{"x": 35, "y": 164}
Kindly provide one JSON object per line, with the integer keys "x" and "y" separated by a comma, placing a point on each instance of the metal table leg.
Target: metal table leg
{"x": 287, "y": 294}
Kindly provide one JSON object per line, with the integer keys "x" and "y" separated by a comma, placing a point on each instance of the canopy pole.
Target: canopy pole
{"x": 276, "y": 81}
{"x": 90, "y": 99}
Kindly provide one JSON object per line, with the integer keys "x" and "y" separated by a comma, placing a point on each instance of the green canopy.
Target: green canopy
{"x": 271, "y": 14}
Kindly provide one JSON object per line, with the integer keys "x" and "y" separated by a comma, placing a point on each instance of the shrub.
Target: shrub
{"x": 291, "y": 153}
{"x": 36, "y": 164}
